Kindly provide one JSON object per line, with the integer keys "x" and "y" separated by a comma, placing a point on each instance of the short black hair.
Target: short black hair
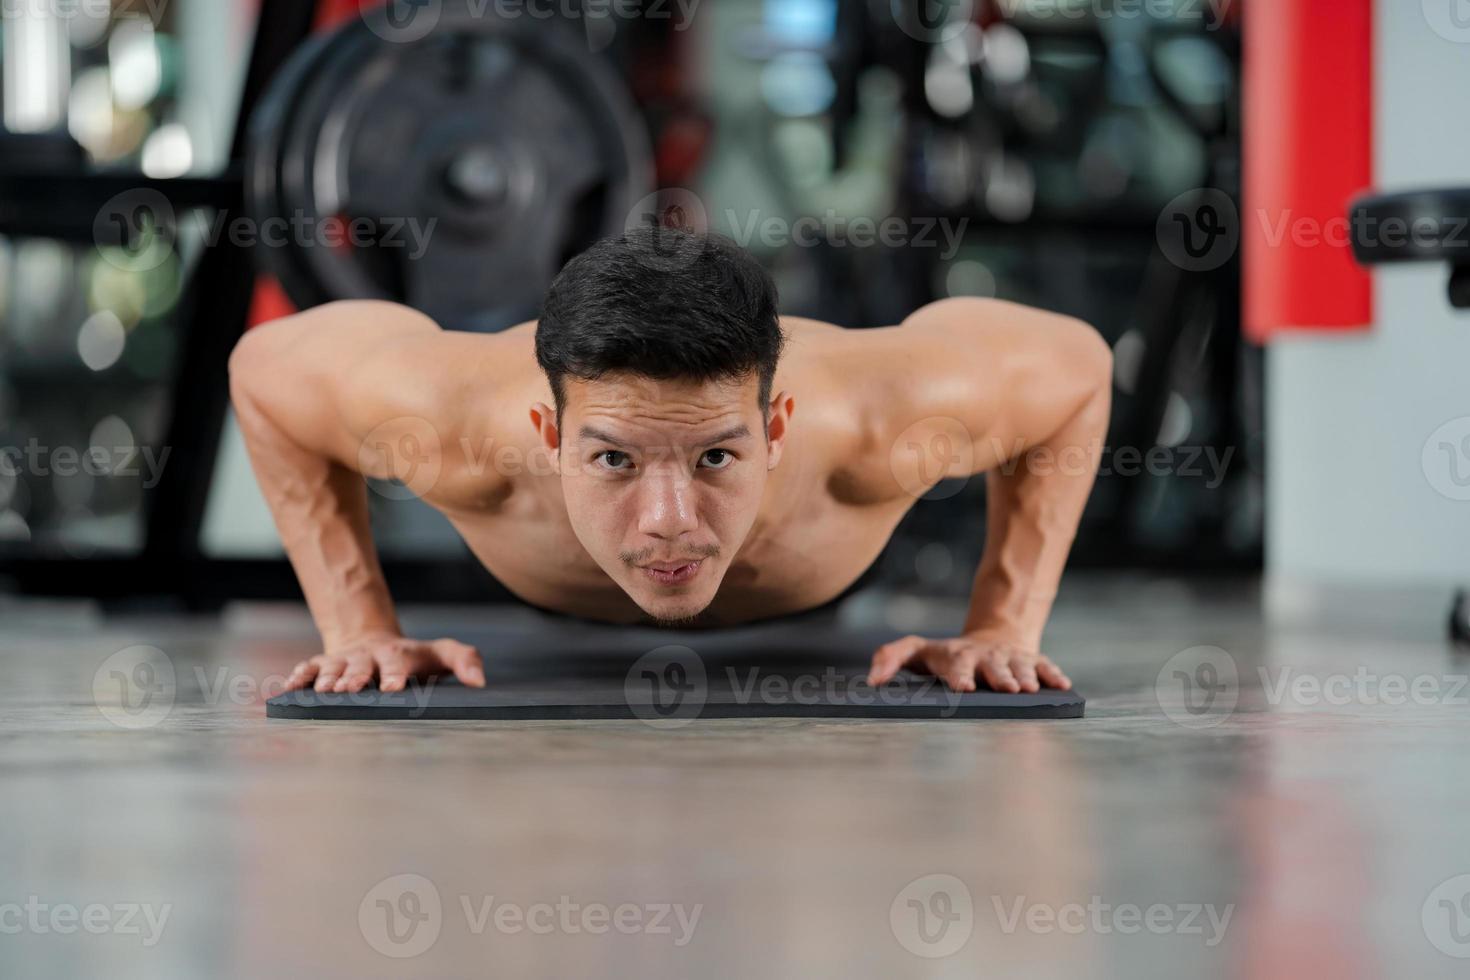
{"x": 663, "y": 303}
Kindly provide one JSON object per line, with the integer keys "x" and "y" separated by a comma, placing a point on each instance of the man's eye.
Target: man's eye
{"x": 612, "y": 459}
{"x": 722, "y": 458}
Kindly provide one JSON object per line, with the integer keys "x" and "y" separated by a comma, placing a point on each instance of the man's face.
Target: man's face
{"x": 663, "y": 480}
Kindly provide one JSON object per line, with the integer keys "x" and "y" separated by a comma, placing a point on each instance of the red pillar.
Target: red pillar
{"x": 1308, "y": 151}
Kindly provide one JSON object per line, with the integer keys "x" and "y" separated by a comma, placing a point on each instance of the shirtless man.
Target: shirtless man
{"x": 662, "y": 447}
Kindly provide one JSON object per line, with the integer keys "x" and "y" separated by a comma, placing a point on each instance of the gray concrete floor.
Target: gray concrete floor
{"x": 1309, "y": 821}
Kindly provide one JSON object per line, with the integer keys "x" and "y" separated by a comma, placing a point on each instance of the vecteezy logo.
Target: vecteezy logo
{"x": 1199, "y": 230}
{"x": 1198, "y": 687}
{"x": 1450, "y": 19}
{"x": 1446, "y": 917}
{"x": 670, "y": 212}
{"x": 406, "y": 450}
{"x": 135, "y": 687}
{"x": 933, "y": 916}
{"x": 927, "y": 451}
{"x": 1446, "y": 459}
{"x": 667, "y": 687}
{"x": 403, "y": 21}
{"x": 136, "y": 230}
{"x": 932, "y": 21}
{"x": 401, "y": 916}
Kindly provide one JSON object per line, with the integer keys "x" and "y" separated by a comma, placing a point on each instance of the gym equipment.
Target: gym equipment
{"x": 454, "y": 171}
{"x": 1420, "y": 226}
{"x": 667, "y": 678}
{"x": 1416, "y": 226}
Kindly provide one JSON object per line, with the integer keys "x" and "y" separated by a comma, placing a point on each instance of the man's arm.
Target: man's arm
{"x": 322, "y": 398}
{"x": 1024, "y": 395}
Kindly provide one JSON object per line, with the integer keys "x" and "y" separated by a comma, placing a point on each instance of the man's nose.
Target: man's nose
{"x": 667, "y": 507}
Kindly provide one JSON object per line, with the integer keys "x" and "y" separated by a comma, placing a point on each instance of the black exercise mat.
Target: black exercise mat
{"x": 670, "y": 678}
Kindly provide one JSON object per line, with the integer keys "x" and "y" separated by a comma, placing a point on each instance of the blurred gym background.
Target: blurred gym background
{"x": 1057, "y": 132}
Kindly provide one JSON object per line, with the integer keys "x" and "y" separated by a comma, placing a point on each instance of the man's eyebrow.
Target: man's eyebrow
{"x": 588, "y": 432}
{"x": 729, "y": 435}
{"x": 734, "y": 432}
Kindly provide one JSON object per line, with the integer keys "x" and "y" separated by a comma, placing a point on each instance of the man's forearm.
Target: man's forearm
{"x": 321, "y": 512}
{"x": 1034, "y": 503}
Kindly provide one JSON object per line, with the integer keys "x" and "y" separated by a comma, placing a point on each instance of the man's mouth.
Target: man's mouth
{"x": 672, "y": 572}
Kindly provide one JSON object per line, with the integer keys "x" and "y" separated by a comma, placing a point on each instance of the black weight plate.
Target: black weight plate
{"x": 1414, "y": 226}
{"x": 263, "y": 196}
{"x": 481, "y": 155}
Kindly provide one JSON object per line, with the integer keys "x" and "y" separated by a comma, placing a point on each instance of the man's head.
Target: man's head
{"x": 661, "y": 348}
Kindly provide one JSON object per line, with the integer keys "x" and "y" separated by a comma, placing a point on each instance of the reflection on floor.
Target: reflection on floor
{"x": 1244, "y": 799}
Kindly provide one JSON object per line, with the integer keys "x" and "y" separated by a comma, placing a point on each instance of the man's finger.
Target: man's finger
{"x": 1025, "y": 671}
{"x": 891, "y": 657}
{"x": 329, "y": 671}
{"x": 1051, "y": 675}
{"x": 301, "y": 675}
{"x": 998, "y": 675}
{"x": 464, "y": 660}
{"x": 392, "y": 671}
{"x": 360, "y": 670}
{"x": 957, "y": 669}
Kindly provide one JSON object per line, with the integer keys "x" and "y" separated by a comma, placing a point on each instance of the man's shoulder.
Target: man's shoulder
{"x": 831, "y": 373}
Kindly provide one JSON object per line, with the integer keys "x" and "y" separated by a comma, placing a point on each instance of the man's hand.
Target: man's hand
{"x": 1006, "y": 666}
{"x": 390, "y": 658}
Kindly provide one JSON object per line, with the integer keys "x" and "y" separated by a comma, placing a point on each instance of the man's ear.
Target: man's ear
{"x": 543, "y": 420}
{"x": 782, "y": 407}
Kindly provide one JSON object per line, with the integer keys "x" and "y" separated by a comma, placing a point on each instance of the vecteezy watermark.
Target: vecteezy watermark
{"x": 1104, "y": 918}
{"x": 677, "y": 210}
{"x": 1210, "y": 13}
{"x": 833, "y": 687}
{"x": 36, "y": 459}
{"x": 405, "y": 450}
{"x": 1446, "y": 917}
{"x": 1209, "y": 463}
{"x": 137, "y": 229}
{"x": 671, "y": 213}
{"x": 34, "y": 916}
{"x": 102, "y": 10}
{"x": 403, "y": 916}
{"x": 1450, "y": 19}
{"x": 1363, "y": 687}
{"x": 406, "y": 21}
{"x": 669, "y": 687}
{"x": 933, "y": 916}
{"x": 138, "y": 686}
{"x": 933, "y": 458}
{"x": 834, "y": 230}
{"x": 1198, "y": 687}
{"x": 1363, "y": 229}
{"x": 135, "y": 687}
{"x": 302, "y": 230}
{"x": 1446, "y": 459}
{"x": 1199, "y": 230}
